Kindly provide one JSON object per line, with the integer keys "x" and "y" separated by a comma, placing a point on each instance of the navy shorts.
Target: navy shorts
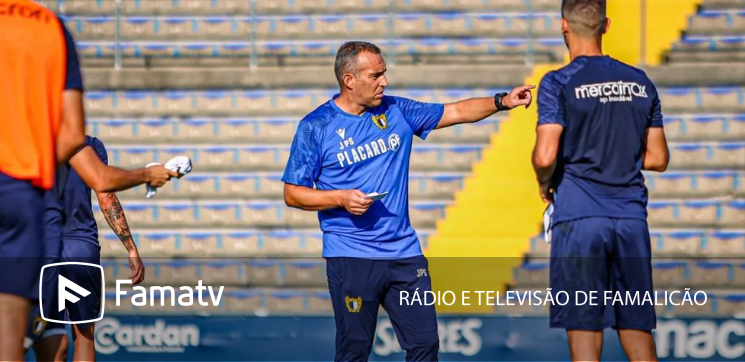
{"x": 360, "y": 286}
{"x": 83, "y": 251}
{"x": 598, "y": 255}
{"x": 21, "y": 237}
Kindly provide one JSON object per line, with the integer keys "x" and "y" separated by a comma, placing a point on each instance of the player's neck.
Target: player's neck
{"x": 346, "y": 104}
{"x": 585, "y": 48}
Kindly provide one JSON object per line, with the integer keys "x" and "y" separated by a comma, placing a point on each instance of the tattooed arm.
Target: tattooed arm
{"x": 114, "y": 214}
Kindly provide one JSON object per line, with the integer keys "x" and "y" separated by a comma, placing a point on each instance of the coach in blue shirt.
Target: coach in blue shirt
{"x": 359, "y": 143}
{"x": 599, "y": 125}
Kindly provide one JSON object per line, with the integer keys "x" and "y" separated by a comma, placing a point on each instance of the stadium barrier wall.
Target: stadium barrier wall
{"x": 473, "y": 338}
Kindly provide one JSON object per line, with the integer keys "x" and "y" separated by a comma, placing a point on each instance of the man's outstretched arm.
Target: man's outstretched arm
{"x": 103, "y": 178}
{"x": 545, "y": 153}
{"x": 476, "y": 109}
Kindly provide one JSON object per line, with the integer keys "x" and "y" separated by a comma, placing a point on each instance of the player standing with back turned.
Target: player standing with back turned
{"x": 599, "y": 126}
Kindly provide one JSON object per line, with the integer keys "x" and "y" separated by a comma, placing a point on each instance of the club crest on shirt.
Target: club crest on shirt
{"x": 380, "y": 120}
{"x": 354, "y": 305}
{"x": 38, "y": 326}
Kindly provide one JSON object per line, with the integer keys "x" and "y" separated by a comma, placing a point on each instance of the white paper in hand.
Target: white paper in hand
{"x": 180, "y": 164}
{"x": 376, "y": 196}
{"x": 547, "y": 223}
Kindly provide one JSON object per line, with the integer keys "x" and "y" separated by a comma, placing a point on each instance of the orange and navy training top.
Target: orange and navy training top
{"x": 38, "y": 61}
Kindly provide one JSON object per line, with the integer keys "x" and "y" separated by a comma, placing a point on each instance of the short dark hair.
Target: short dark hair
{"x": 586, "y": 17}
{"x": 346, "y": 57}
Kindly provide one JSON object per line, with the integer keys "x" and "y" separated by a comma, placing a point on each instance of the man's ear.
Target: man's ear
{"x": 606, "y": 26}
{"x": 564, "y": 27}
{"x": 349, "y": 80}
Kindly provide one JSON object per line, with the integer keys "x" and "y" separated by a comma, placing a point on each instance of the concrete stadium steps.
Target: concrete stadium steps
{"x": 717, "y": 22}
{"x": 224, "y": 242}
{"x": 280, "y": 130}
{"x": 429, "y": 186}
{"x": 431, "y": 50}
{"x": 232, "y": 102}
{"x": 696, "y": 184}
{"x": 439, "y": 186}
{"x": 401, "y": 77}
{"x": 297, "y": 61}
{"x": 722, "y": 4}
{"x": 732, "y": 58}
{"x": 322, "y": 26}
{"x": 684, "y": 242}
{"x": 225, "y": 7}
{"x": 425, "y": 157}
{"x": 266, "y": 214}
{"x": 234, "y": 157}
{"x": 197, "y": 130}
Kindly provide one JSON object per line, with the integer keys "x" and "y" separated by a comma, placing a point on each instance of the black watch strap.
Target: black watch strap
{"x": 498, "y": 102}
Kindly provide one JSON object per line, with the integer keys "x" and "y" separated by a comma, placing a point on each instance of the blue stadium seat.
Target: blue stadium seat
{"x": 225, "y": 272}
{"x": 263, "y": 272}
{"x": 305, "y": 273}
{"x": 286, "y": 302}
{"x": 670, "y": 273}
{"x": 684, "y": 242}
{"x": 725, "y": 243}
{"x": 244, "y": 301}
{"x": 532, "y": 274}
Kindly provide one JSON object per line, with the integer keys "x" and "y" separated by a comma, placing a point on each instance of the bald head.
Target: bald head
{"x": 586, "y": 18}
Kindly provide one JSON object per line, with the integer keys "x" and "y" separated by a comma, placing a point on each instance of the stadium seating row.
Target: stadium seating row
{"x": 253, "y": 130}
{"x": 701, "y": 213}
{"x": 225, "y": 242}
{"x": 703, "y": 127}
{"x": 186, "y": 214}
{"x": 425, "y": 157}
{"x": 715, "y": 127}
{"x": 180, "y": 214}
{"x": 225, "y": 7}
{"x": 270, "y": 185}
{"x": 306, "y": 272}
{"x": 708, "y": 5}
{"x": 717, "y": 22}
{"x": 666, "y": 273}
{"x": 262, "y": 302}
{"x": 695, "y": 184}
{"x": 317, "y": 48}
{"x": 172, "y": 103}
{"x": 315, "y": 26}
{"x": 434, "y": 157}
{"x": 680, "y": 242}
{"x": 259, "y": 302}
{"x": 710, "y": 43}
{"x": 681, "y": 184}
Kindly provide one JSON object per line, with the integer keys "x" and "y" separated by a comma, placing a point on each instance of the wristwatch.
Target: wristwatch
{"x": 498, "y": 102}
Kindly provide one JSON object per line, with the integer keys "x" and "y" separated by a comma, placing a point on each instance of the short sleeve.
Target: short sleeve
{"x": 74, "y": 77}
{"x": 550, "y": 101}
{"x": 422, "y": 117}
{"x": 100, "y": 150}
{"x": 655, "y": 117}
{"x": 304, "y": 164}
